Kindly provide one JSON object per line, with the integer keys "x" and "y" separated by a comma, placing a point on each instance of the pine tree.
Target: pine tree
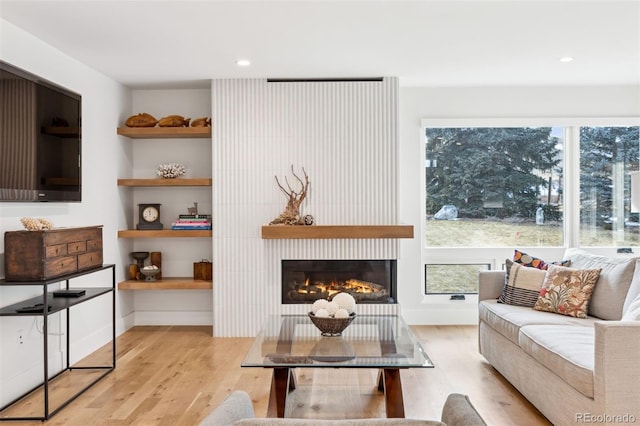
{"x": 603, "y": 150}
{"x": 489, "y": 171}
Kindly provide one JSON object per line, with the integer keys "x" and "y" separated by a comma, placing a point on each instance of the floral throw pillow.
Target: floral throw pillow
{"x": 535, "y": 262}
{"x": 567, "y": 291}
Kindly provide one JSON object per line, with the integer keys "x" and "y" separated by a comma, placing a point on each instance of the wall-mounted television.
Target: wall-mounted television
{"x": 40, "y": 139}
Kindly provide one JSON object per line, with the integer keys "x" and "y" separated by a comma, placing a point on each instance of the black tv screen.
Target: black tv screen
{"x": 40, "y": 139}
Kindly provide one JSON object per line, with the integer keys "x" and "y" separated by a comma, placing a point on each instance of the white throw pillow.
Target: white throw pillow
{"x": 633, "y": 311}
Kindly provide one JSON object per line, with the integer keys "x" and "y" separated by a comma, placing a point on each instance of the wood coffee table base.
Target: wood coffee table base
{"x": 389, "y": 383}
{"x": 283, "y": 382}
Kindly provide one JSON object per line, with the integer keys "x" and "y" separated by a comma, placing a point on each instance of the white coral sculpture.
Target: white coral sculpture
{"x": 36, "y": 224}
{"x": 170, "y": 170}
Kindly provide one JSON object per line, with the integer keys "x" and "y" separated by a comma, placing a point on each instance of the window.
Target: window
{"x": 608, "y": 155}
{"x": 454, "y": 278}
{"x": 492, "y": 189}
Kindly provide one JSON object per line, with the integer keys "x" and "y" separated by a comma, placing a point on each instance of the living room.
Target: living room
{"x": 265, "y": 128}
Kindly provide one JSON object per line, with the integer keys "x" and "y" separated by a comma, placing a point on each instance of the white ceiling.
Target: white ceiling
{"x": 147, "y": 43}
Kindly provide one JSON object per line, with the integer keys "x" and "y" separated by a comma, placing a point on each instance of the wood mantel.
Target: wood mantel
{"x": 274, "y": 232}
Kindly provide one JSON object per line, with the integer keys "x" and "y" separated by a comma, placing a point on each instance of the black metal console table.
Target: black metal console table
{"x": 58, "y": 304}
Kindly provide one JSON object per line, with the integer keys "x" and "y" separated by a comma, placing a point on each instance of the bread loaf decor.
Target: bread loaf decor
{"x": 141, "y": 120}
{"x": 174, "y": 121}
{"x": 201, "y": 122}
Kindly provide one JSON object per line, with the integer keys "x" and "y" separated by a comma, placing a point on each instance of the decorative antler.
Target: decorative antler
{"x": 291, "y": 213}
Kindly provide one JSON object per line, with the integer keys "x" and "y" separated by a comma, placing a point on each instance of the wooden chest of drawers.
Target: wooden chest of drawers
{"x": 40, "y": 255}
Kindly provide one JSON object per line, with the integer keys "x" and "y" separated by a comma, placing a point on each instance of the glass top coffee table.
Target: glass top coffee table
{"x": 384, "y": 342}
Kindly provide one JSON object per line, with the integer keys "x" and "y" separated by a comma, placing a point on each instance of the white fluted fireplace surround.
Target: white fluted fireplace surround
{"x": 345, "y": 135}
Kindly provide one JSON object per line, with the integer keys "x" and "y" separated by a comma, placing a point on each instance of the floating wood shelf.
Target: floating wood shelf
{"x": 336, "y": 231}
{"x": 164, "y": 233}
{"x": 166, "y": 182}
{"x": 164, "y": 132}
{"x": 167, "y": 283}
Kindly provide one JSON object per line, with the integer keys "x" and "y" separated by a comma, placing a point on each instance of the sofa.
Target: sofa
{"x": 237, "y": 409}
{"x": 573, "y": 370}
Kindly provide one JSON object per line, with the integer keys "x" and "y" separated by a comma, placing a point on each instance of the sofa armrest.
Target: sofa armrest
{"x": 236, "y": 406}
{"x": 459, "y": 411}
{"x": 490, "y": 284}
{"x": 616, "y": 367}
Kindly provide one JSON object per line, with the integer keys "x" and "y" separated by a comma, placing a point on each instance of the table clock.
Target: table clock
{"x": 149, "y": 217}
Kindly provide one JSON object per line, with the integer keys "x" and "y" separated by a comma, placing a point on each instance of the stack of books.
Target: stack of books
{"x": 198, "y": 222}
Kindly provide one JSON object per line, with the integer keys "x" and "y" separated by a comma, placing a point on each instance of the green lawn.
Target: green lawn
{"x": 503, "y": 233}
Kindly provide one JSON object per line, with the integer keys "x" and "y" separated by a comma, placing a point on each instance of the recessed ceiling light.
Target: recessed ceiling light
{"x": 243, "y": 62}
{"x": 566, "y": 59}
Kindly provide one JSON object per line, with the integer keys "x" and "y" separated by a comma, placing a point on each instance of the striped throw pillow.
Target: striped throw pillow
{"x": 521, "y": 285}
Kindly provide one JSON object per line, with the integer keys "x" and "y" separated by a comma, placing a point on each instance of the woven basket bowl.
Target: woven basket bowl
{"x": 331, "y": 326}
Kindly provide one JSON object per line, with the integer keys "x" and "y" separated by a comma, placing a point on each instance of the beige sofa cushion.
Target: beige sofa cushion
{"x": 634, "y": 288}
{"x": 566, "y": 350}
{"x": 633, "y": 311}
{"x": 615, "y": 278}
{"x": 507, "y": 319}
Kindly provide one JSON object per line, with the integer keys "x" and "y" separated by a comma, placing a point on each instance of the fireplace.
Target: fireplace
{"x": 368, "y": 281}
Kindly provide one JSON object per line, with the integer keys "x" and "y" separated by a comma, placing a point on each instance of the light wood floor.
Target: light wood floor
{"x": 176, "y": 375}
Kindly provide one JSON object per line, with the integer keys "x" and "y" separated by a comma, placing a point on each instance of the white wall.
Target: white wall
{"x": 105, "y": 103}
{"x": 475, "y": 102}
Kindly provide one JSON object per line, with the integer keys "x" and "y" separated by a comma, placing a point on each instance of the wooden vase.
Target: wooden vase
{"x": 133, "y": 271}
{"x": 156, "y": 259}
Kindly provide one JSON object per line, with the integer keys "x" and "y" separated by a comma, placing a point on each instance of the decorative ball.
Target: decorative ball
{"x": 332, "y": 308}
{"x": 341, "y": 313}
{"x": 345, "y": 301}
{"x": 322, "y": 313}
{"x": 308, "y": 219}
{"x": 319, "y": 304}
{"x": 170, "y": 170}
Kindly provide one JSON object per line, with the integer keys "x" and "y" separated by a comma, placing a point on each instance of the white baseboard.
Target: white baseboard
{"x": 173, "y": 318}
{"x": 438, "y": 314}
{"x": 80, "y": 348}
{"x": 125, "y": 323}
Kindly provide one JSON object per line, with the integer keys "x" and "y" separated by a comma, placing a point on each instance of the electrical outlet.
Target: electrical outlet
{"x": 20, "y": 337}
